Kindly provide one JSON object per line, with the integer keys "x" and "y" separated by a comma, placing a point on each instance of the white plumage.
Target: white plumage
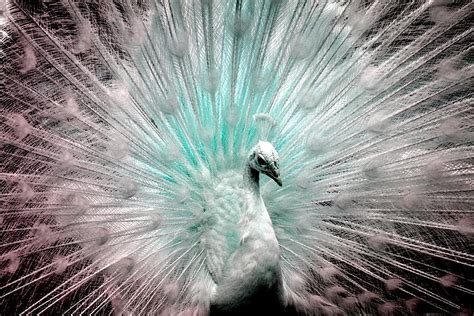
{"x": 133, "y": 135}
{"x": 243, "y": 252}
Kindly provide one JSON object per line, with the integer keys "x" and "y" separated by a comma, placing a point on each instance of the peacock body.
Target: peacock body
{"x": 144, "y": 145}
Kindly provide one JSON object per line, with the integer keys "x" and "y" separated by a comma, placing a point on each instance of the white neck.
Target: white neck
{"x": 252, "y": 179}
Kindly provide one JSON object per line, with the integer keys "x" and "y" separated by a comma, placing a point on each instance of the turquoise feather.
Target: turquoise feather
{"x": 127, "y": 128}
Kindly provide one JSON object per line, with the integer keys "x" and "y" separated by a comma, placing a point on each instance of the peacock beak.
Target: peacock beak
{"x": 275, "y": 175}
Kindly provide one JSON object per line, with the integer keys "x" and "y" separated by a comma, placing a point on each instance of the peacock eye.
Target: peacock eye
{"x": 261, "y": 161}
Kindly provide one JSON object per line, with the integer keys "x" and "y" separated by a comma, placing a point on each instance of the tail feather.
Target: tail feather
{"x": 118, "y": 116}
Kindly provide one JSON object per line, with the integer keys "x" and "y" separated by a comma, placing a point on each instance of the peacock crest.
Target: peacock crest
{"x": 193, "y": 157}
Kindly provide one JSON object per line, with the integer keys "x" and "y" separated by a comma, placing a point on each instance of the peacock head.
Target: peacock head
{"x": 264, "y": 159}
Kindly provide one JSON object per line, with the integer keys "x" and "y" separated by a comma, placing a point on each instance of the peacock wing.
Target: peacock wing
{"x": 225, "y": 205}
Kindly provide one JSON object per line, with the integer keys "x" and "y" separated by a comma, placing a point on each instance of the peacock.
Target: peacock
{"x": 195, "y": 157}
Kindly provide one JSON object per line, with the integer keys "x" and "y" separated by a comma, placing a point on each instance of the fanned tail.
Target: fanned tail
{"x": 117, "y": 117}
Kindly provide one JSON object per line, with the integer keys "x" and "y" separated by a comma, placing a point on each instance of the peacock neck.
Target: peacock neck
{"x": 252, "y": 179}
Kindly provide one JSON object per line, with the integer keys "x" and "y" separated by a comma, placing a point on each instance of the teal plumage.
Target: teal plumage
{"x": 133, "y": 134}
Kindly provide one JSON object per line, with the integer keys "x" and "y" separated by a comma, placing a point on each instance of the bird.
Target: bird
{"x": 196, "y": 157}
{"x": 251, "y": 270}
